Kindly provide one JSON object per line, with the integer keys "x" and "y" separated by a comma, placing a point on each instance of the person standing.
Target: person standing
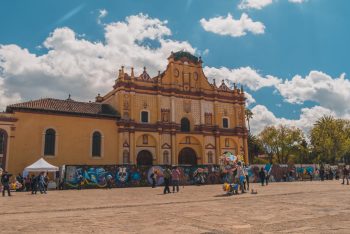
{"x": 167, "y": 176}
{"x": 80, "y": 181}
{"x": 153, "y": 178}
{"x": 267, "y": 177}
{"x": 245, "y": 171}
{"x": 345, "y": 175}
{"x": 240, "y": 176}
{"x": 46, "y": 180}
{"x": 175, "y": 178}
{"x": 322, "y": 173}
{"x": 109, "y": 181}
{"x": 27, "y": 183}
{"x": 262, "y": 176}
{"x": 20, "y": 180}
{"x": 5, "y": 180}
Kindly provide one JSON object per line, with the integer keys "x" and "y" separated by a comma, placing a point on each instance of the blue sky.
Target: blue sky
{"x": 286, "y": 39}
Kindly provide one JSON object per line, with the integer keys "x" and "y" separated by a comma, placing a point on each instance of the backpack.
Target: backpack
{"x": 167, "y": 174}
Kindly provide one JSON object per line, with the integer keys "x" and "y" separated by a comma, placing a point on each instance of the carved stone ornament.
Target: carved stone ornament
{"x": 145, "y": 105}
{"x": 126, "y": 104}
{"x": 187, "y": 106}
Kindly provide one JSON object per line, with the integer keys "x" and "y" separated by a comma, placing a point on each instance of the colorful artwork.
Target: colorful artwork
{"x": 95, "y": 176}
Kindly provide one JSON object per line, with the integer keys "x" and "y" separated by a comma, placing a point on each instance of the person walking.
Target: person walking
{"x": 42, "y": 187}
{"x": 5, "y": 180}
{"x": 167, "y": 176}
{"x": 175, "y": 178}
{"x": 34, "y": 184}
{"x": 262, "y": 176}
{"x": 345, "y": 175}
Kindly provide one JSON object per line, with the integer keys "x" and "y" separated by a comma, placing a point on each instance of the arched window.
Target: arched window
{"x": 185, "y": 125}
{"x": 96, "y": 144}
{"x": 126, "y": 158}
{"x": 144, "y": 117}
{"x": 166, "y": 157}
{"x": 210, "y": 157}
{"x": 225, "y": 122}
{"x": 50, "y": 142}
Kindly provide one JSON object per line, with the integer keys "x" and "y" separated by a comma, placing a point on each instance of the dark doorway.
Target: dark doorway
{"x": 185, "y": 125}
{"x": 187, "y": 156}
{"x": 144, "y": 158}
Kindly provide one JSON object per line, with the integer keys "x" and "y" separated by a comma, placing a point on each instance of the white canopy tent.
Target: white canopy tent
{"x": 41, "y": 166}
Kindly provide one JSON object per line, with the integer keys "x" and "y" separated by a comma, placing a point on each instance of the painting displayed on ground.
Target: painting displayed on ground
{"x": 89, "y": 176}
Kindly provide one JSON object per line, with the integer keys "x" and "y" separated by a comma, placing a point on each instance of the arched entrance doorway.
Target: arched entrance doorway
{"x": 144, "y": 158}
{"x": 188, "y": 156}
{"x": 3, "y": 144}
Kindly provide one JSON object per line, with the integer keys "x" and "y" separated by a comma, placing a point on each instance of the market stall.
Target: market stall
{"x": 42, "y": 166}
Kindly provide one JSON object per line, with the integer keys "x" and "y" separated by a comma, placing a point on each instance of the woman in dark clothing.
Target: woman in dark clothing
{"x": 262, "y": 176}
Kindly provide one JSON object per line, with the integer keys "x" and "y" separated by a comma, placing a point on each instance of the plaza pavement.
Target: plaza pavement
{"x": 295, "y": 207}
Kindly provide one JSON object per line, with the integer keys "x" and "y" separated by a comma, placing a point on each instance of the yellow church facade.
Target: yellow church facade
{"x": 176, "y": 117}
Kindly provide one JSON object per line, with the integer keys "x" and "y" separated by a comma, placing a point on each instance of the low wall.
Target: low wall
{"x": 94, "y": 176}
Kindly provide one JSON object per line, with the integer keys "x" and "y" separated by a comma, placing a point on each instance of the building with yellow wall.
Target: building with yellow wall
{"x": 176, "y": 117}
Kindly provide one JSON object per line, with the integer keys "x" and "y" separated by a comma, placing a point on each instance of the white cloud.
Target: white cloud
{"x": 230, "y": 27}
{"x": 263, "y": 117}
{"x": 244, "y": 75}
{"x": 331, "y": 93}
{"x": 255, "y": 4}
{"x": 297, "y": 1}
{"x": 250, "y": 100}
{"x": 101, "y": 14}
{"x": 81, "y": 67}
{"x": 6, "y": 97}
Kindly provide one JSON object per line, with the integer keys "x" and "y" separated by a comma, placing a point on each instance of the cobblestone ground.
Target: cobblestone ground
{"x": 296, "y": 207}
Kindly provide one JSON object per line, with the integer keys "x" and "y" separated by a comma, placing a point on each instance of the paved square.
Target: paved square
{"x": 298, "y": 207}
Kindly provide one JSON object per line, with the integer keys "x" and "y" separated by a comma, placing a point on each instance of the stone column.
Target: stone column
{"x": 245, "y": 146}
{"x": 132, "y": 146}
{"x": 173, "y": 149}
{"x": 217, "y": 148}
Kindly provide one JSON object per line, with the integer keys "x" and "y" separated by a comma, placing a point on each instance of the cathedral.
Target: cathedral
{"x": 176, "y": 117}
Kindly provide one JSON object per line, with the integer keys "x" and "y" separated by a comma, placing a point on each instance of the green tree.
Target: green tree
{"x": 255, "y": 147}
{"x": 330, "y": 138}
{"x": 281, "y": 142}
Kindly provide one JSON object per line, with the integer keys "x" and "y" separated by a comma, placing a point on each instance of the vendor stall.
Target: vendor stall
{"x": 42, "y": 166}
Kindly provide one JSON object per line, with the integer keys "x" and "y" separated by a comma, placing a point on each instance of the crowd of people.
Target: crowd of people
{"x": 237, "y": 178}
{"x": 31, "y": 183}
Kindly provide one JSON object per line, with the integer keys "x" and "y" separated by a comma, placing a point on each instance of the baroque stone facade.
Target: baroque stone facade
{"x": 176, "y": 117}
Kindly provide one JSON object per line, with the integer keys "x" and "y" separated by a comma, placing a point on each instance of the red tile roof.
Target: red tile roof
{"x": 65, "y": 106}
